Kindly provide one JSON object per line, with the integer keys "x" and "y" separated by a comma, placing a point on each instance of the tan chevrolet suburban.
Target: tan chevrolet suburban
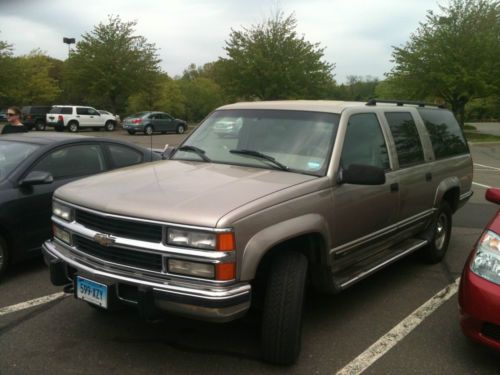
{"x": 304, "y": 194}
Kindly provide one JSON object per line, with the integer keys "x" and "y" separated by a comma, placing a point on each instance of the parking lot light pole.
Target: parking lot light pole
{"x": 69, "y": 41}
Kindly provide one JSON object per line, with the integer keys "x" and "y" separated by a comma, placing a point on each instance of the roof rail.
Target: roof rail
{"x": 401, "y": 103}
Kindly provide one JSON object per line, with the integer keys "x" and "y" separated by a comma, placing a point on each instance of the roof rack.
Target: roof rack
{"x": 401, "y": 103}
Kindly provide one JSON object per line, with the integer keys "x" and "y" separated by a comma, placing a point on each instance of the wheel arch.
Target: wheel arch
{"x": 448, "y": 190}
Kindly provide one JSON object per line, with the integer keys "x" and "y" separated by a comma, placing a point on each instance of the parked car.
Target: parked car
{"x": 32, "y": 166}
{"x": 479, "y": 292}
{"x": 74, "y": 118}
{"x": 151, "y": 122}
{"x": 310, "y": 193}
{"x": 3, "y": 117}
{"x": 34, "y": 116}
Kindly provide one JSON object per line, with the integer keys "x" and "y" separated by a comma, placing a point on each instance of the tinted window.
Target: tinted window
{"x": 62, "y": 110}
{"x": 445, "y": 132}
{"x": 364, "y": 142}
{"x": 123, "y": 155}
{"x": 405, "y": 134}
{"x": 73, "y": 161}
{"x": 82, "y": 111}
{"x": 12, "y": 154}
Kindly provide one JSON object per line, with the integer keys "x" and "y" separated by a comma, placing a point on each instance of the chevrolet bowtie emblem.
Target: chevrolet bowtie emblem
{"x": 104, "y": 239}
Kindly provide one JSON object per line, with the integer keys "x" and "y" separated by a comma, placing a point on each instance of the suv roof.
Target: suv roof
{"x": 332, "y": 106}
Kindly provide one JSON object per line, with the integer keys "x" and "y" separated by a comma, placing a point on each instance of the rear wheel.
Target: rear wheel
{"x": 73, "y": 127}
{"x": 110, "y": 126}
{"x": 283, "y": 305}
{"x": 40, "y": 125}
{"x": 181, "y": 129}
{"x": 148, "y": 130}
{"x": 4, "y": 256}
{"x": 439, "y": 236}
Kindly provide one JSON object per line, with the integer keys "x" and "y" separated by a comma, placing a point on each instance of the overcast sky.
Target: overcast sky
{"x": 357, "y": 35}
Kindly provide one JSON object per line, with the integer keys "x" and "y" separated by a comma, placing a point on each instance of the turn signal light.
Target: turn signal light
{"x": 225, "y": 241}
{"x": 225, "y": 271}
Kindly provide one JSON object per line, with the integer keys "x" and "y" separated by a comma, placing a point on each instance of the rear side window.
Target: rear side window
{"x": 406, "y": 138}
{"x": 446, "y": 135}
{"x": 364, "y": 142}
{"x": 123, "y": 156}
{"x": 62, "y": 110}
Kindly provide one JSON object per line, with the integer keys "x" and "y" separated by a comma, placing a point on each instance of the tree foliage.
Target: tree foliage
{"x": 453, "y": 55}
{"x": 111, "y": 63}
{"x": 270, "y": 61}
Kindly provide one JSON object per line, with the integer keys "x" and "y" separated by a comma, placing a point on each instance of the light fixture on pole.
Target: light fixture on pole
{"x": 69, "y": 41}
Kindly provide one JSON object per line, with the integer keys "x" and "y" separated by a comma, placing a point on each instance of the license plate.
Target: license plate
{"x": 92, "y": 292}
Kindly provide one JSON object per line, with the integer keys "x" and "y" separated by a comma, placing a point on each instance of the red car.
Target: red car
{"x": 479, "y": 293}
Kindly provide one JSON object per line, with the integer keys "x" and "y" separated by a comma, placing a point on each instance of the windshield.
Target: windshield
{"x": 12, "y": 154}
{"x": 297, "y": 141}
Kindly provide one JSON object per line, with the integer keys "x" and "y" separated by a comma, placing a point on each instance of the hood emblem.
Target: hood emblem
{"x": 104, "y": 239}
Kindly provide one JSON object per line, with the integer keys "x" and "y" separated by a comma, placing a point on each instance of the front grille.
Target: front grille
{"x": 492, "y": 331}
{"x": 138, "y": 259}
{"x": 120, "y": 227}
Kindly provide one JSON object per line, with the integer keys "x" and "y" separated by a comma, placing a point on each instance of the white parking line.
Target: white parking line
{"x": 484, "y": 186}
{"x": 399, "y": 332}
{"x": 487, "y": 166}
{"x": 32, "y": 303}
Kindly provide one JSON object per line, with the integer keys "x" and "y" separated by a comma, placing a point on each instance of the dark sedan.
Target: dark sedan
{"x": 150, "y": 122}
{"x": 32, "y": 166}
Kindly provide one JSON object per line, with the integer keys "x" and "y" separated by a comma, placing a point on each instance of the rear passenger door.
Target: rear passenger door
{"x": 413, "y": 168}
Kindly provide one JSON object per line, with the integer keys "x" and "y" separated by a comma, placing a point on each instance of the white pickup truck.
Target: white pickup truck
{"x": 73, "y": 118}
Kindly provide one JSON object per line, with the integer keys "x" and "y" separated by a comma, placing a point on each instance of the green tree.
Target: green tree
{"x": 34, "y": 82}
{"x": 8, "y": 73}
{"x": 202, "y": 95}
{"x": 111, "y": 63}
{"x": 270, "y": 61}
{"x": 453, "y": 55}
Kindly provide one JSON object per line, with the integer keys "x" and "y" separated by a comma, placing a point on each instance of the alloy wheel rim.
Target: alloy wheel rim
{"x": 441, "y": 227}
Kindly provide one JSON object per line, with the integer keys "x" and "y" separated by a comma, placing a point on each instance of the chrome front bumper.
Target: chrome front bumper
{"x": 206, "y": 302}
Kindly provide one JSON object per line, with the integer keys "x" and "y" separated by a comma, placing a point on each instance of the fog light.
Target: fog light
{"x": 61, "y": 234}
{"x": 182, "y": 267}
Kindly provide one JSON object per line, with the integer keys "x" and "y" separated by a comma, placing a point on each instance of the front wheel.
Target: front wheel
{"x": 110, "y": 126}
{"x": 439, "y": 236}
{"x": 181, "y": 129}
{"x": 283, "y": 305}
{"x": 148, "y": 130}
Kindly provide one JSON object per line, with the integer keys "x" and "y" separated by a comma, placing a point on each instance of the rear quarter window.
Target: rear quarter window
{"x": 445, "y": 132}
{"x": 406, "y": 138}
{"x": 62, "y": 110}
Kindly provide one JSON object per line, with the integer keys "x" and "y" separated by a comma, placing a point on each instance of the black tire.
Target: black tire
{"x": 4, "y": 256}
{"x": 40, "y": 125}
{"x": 181, "y": 129}
{"x": 110, "y": 126}
{"x": 148, "y": 130}
{"x": 283, "y": 305}
{"x": 73, "y": 126}
{"x": 438, "y": 235}
{"x": 131, "y": 132}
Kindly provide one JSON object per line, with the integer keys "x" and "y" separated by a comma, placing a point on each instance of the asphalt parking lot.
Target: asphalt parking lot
{"x": 66, "y": 336}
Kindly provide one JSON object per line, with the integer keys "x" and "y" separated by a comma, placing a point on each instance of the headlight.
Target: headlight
{"x": 201, "y": 240}
{"x": 62, "y": 211}
{"x": 181, "y": 267}
{"x": 61, "y": 234}
{"x": 486, "y": 262}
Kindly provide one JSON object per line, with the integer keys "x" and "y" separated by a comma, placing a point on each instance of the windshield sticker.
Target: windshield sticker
{"x": 313, "y": 165}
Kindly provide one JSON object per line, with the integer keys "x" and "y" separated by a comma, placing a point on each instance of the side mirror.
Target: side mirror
{"x": 37, "y": 178}
{"x": 167, "y": 152}
{"x": 360, "y": 174}
{"x": 493, "y": 195}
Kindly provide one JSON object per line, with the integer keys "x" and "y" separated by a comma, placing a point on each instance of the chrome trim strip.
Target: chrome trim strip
{"x": 370, "y": 237}
{"x": 129, "y": 218}
{"x": 466, "y": 195}
{"x": 168, "y": 286}
{"x": 212, "y": 256}
{"x": 368, "y": 272}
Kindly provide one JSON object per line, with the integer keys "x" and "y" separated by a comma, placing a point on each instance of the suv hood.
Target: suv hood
{"x": 176, "y": 191}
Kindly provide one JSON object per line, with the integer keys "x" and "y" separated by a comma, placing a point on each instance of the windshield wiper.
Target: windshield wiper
{"x": 197, "y": 151}
{"x": 260, "y": 155}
